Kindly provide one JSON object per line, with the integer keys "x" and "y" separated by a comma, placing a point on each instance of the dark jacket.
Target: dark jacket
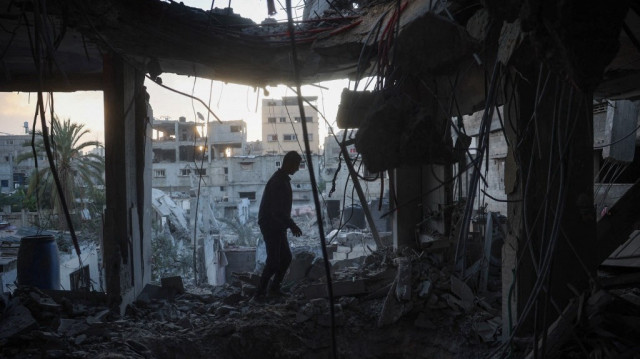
{"x": 275, "y": 207}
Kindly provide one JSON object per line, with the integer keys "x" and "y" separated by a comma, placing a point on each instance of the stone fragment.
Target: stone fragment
{"x": 317, "y": 269}
{"x": 300, "y": 265}
{"x": 462, "y": 291}
{"x": 80, "y": 339}
{"x": 15, "y": 320}
{"x": 72, "y": 327}
{"x": 424, "y": 289}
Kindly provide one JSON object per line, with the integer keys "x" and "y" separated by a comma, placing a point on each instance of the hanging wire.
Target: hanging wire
{"x": 296, "y": 70}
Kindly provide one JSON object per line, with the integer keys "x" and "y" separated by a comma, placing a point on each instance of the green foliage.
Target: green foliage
{"x": 169, "y": 259}
{"x": 245, "y": 234}
{"x": 79, "y": 173}
{"x": 18, "y": 200}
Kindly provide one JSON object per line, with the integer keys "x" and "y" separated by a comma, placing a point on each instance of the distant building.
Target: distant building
{"x": 224, "y": 166}
{"x": 282, "y": 126}
{"x": 12, "y": 173}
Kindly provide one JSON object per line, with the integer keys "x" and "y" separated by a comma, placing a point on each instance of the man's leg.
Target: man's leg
{"x": 273, "y": 260}
{"x": 283, "y": 263}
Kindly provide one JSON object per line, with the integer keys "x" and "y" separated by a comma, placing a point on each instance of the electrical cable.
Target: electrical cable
{"x": 460, "y": 252}
{"x": 45, "y": 132}
{"x": 296, "y": 71}
{"x": 619, "y": 140}
{"x": 200, "y": 174}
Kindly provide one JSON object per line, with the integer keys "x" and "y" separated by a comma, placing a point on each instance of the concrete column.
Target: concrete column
{"x": 407, "y": 182}
{"x": 127, "y": 228}
{"x": 549, "y": 182}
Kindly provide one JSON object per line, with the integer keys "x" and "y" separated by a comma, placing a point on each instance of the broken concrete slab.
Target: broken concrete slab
{"x": 338, "y": 256}
{"x": 462, "y": 291}
{"x": 249, "y": 278}
{"x": 72, "y": 327}
{"x": 300, "y": 265}
{"x": 345, "y": 263}
{"x": 424, "y": 289}
{"x": 403, "y": 281}
{"x": 152, "y": 291}
{"x": 16, "y": 319}
{"x": 392, "y": 309}
{"x": 487, "y": 330}
{"x": 317, "y": 269}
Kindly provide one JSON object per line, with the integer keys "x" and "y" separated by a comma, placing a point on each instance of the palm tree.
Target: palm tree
{"x": 77, "y": 171}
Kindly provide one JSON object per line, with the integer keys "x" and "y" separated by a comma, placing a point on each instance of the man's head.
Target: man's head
{"x": 291, "y": 162}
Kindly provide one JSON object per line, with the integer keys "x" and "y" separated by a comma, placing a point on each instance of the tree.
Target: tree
{"x": 79, "y": 173}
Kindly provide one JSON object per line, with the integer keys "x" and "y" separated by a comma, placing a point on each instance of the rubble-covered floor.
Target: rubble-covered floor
{"x": 222, "y": 322}
{"x": 390, "y": 307}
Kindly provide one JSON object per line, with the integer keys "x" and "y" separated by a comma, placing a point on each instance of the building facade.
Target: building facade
{"x": 13, "y": 174}
{"x": 282, "y": 126}
{"x": 220, "y": 165}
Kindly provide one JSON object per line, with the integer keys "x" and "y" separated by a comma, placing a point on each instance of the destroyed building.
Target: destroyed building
{"x": 556, "y": 278}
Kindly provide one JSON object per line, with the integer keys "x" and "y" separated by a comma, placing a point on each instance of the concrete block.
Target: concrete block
{"x": 300, "y": 265}
{"x": 17, "y": 319}
{"x": 151, "y": 291}
{"x": 462, "y": 291}
{"x": 317, "y": 269}
{"x": 343, "y": 249}
{"x": 340, "y": 256}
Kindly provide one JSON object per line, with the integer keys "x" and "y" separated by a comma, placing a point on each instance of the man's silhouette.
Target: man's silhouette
{"x": 274, "y": 219}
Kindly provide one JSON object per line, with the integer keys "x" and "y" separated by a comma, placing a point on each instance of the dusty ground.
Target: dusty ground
{"x": 223, "y": 322}
{"x": 421, "y": 313}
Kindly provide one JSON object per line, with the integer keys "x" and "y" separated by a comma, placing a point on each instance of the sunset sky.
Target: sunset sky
{"x": 228, "y": 101}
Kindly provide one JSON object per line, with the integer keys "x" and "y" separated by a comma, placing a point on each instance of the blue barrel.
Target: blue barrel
{"x": 38, "y": 263}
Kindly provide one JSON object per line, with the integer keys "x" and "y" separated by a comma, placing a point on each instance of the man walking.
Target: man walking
{"x": 274, "y": 219}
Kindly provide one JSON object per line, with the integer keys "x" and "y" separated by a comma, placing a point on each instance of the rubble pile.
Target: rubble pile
{"x": 601, "y": 324}
{"x": 385, "y": 306}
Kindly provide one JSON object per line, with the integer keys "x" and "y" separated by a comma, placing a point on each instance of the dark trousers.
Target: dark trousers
{"x": 278, "y": 258}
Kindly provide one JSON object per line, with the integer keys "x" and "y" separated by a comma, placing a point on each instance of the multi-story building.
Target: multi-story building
{"x": 282, "y": 125}
{"x": 12, "y": 173}
{"x": 221, "y": 164}
{"x": 179, "y": 148}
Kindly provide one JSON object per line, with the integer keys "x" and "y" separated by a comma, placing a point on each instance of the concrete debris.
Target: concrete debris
{"x": 462, "y": 291}
{"x": 403, "y": 281}
{"x": 373, "y": 295}
{"x": 424, "y": 289}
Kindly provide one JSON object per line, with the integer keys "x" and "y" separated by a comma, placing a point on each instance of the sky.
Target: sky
{"x": 228, "y": 101}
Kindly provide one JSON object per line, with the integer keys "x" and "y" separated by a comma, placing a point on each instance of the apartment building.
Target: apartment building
{"x": 221, "y": 165}
{"x": 12, "y": 173}
{"x": 282, "y": 125}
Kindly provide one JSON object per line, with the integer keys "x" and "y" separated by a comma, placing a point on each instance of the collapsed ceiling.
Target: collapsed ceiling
{"x": 169, "y": 37}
